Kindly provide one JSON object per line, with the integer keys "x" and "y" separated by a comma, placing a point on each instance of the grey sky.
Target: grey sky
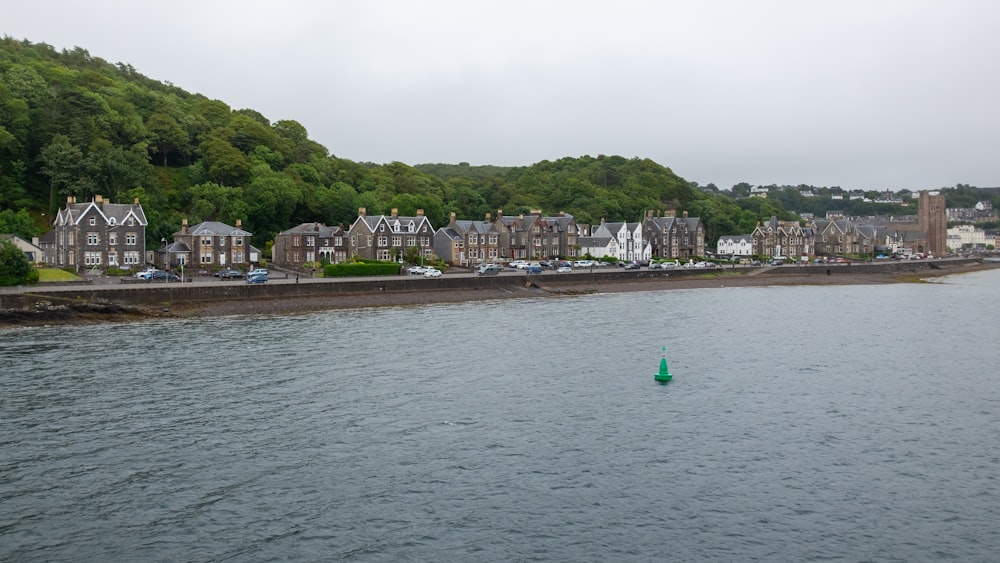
{"x": 858, "y": 94}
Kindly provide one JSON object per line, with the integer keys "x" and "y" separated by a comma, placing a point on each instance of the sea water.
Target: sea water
{"x": 802, "y": 423}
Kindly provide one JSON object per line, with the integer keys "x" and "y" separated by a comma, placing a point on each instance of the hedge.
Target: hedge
{"x": 361, "y": 269}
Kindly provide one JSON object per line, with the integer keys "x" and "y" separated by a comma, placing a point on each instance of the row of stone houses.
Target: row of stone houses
{"x": 837, "y": 236}
{"x": 463, "y": 242}
{"x": 100, "y": 234}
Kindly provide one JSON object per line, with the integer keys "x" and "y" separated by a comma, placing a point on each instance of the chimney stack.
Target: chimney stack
{"x": 361, "y": 212}
{"x": 239, "y": 224}
{"x": 420, "y": 213}
{"x": 395, "y": 212}
{"x": 489, "y": 218}
{"x": 184, "y": 226}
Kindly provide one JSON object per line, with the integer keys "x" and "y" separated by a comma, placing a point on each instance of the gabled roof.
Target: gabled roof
{"x": 110, "y": 213}
{"x": 479, "y": 227}
{"x": 317, "y": 229}
{"x": 450, "y": 234}
{"x": 215, "y": 228}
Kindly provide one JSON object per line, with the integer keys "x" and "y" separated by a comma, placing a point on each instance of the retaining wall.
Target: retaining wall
{"x": 168, "y": 295}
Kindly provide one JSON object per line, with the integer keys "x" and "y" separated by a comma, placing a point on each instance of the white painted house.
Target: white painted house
{"x": 734, "y": 245}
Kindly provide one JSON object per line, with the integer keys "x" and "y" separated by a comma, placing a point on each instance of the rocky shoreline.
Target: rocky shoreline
{"x": 55, "y": 313}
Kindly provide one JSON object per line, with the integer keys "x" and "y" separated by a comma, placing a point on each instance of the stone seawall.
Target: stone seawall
{"x": 179, "y": 295}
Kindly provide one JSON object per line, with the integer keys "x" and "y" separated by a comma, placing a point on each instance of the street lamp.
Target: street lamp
{"x": 166, "y": 260}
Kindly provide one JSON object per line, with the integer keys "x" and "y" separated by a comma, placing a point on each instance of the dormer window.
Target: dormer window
{"x": 111, "y": 221}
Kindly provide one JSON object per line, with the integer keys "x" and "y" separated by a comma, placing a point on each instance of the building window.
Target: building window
{"x": 92, "y": 239}
{"x": 411, "y": 241}
{"x": 397, "y": 241}
{"x": 130, "y": 239}
{"x": 310, "y": 241}
{"x": 296, "y": 241}
{"x": 206, "y": 241}
{"x": 383, "y": 241}
{"x": 383, "y": 255}
{"x": 92, "y": 258}
{"x": 206, "y": 258}
{"x": 239, "y": 241}
{"x": 93, "y": 221}
{"x": 112, "y": 239}
{"x": 131, "y": 258}
{"x": 222, "y": 241}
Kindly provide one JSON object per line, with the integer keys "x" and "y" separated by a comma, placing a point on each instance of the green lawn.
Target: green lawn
{"x": 46, "y": 275}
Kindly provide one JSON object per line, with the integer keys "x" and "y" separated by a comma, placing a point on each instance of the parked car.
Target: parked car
{"x": 163, "y": 276}
{"x": 632, "y": 266}
{"x": 432, "y": 273}
{"x": 257, "y": 271}
{"x": 564, "y": 269}
{"x": 489, "y": 269}
{"x": 145, "y": 274}
{"x": 415, "y": 270}
{"x": 229, "y": 274}
{"x": 257, "y": 277}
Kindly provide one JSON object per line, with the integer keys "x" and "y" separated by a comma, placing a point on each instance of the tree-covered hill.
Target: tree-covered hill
{"x": 75, "y": 125}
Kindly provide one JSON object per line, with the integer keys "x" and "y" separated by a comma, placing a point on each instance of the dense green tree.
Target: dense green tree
{"x": 15, "y": 269}
{"x": 17, "y": 223}
{"x": 63, "y": 163}
{"x": 167, "y": 135}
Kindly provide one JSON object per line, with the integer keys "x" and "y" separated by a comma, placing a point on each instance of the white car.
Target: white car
{"x": 415, "y": 270}
{"x": 432, "y": 273}
{"x": 257, "y": 271}
{"x": 145, "y": 274}
{"x": 563, "y": 269}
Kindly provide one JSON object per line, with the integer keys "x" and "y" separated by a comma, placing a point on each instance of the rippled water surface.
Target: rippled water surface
{"x": 803, "y": 423}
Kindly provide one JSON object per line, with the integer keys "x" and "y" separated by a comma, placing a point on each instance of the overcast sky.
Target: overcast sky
{"x": 859, "y": 94}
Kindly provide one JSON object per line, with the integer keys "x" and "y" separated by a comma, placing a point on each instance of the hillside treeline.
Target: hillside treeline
{"x": 75, "y": 125}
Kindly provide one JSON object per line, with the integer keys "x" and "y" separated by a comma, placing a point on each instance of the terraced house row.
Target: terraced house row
{"x": 100, "y": 234}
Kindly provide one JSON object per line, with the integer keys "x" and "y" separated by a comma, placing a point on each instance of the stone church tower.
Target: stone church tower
{"x": 932, "y": 219}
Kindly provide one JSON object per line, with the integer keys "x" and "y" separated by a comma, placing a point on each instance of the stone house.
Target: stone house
{"x": 310, "y": 242}
{"x": 534, "y": 236}
{"x": 466, "y": 243}
{"x": 387, "y": 237}
{"x": 99, "y": 234}
{"x": 779, "y": 238}
{"x": 209, "y": 244}
{"x": 674, "y": 237}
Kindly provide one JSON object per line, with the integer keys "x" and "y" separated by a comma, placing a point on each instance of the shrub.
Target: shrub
{"x": 15, "y": 268}
{"x": 367, "y": 268}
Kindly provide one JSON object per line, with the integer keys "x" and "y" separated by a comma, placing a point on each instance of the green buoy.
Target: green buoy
{"x": 664, "y": 375}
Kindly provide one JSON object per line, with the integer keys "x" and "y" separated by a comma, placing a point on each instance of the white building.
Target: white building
{"x": 734, "y": 245}
{"x": 966, "y": 237}
{"x": 628, "y": 239}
